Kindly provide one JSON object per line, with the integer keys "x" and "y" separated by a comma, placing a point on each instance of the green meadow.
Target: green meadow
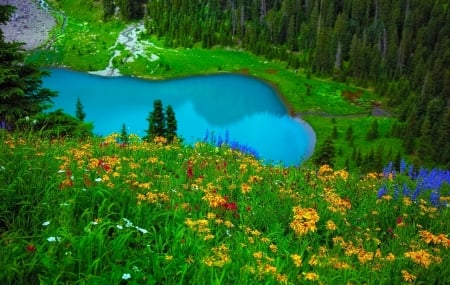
{"x": 103, "y": 212}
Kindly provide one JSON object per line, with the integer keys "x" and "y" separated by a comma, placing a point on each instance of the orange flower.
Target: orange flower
{"x": 245, "y": 188}
{"x": 421, "y": 257}
{"x": 407, "y": 277}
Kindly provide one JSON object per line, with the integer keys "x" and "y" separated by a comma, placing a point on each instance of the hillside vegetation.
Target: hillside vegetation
{"x": 102, "y": 212}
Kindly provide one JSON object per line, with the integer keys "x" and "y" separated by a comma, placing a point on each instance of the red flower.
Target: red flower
{"x": 190, "y": 172}
{"x": 399, "y": 220}
{"x": 30, "y": 248}
{"x": 231, "y": 206}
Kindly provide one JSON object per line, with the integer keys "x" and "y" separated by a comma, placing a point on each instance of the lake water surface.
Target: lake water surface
{"x": 248, "y": 109}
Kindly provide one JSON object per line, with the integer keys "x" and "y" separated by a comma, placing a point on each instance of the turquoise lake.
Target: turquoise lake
{"x": 246, "y": 108}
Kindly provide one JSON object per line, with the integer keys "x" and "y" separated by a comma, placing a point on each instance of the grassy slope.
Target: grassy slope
{"x": 206, "y": 215}
{"x": 86, "y": 43}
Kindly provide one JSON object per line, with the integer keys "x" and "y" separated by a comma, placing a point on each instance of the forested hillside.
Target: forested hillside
{"x": 400, "y": 48}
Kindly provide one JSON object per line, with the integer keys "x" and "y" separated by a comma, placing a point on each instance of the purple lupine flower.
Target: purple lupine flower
{"x": 219, "y": 141}
{"x": 227, "y": 137}
{"x": 416, "y": 193}
{"x": 381, "y": 192}
{"x": 212, "y": 139}
{"x": 402, "y": 166}
{"x": 205, "y": 138}
{"x": 411, "y": 172}
{"x": 396, "y": 192}
{"x": 388, "y": 169}
{"x": 435, "y": 199}
{"x": 405, "y": 190}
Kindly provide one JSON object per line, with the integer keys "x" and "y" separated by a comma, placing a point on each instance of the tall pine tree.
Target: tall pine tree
{"x": 157, "y": 122}
{"x": 21, "y": 94}
{"x": 171, "y": 128}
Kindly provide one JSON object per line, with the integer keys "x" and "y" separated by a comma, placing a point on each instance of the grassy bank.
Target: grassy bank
{"x": 100, "y": 212}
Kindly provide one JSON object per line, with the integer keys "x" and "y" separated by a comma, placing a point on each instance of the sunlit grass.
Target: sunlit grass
{"x": 100, "y": 212}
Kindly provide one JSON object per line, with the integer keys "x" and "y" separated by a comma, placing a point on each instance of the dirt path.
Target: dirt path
{"x": 376, "y": 112}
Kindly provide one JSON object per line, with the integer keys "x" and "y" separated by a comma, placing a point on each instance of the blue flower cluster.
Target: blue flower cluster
{"x": 432, "y": 183}
{"x": 211, "y": 138}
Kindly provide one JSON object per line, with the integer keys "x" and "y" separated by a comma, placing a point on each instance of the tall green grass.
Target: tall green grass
{"x": 100, "y": 212}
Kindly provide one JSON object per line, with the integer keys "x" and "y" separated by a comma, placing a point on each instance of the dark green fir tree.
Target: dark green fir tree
{"x": 21, "y": 94}
{"x": 157, "y": 122}
{"x": 326, "y": 153}
{"x": 79, "y": 113}
{"x": 171, "y": 126}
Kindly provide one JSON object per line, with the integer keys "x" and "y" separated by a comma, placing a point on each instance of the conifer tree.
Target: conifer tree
{"x": 326, "y": 153}
{"x": 21, "y": 93}
{"x": 124, "y": 134}
{"x": 335, "y": 133}
{"x": 157, "y": 122}
{"x": 79, "y": 113}
{"x": 171, "y": 128}
{"x": 373, "y": 132}
{"x": 108, "y": 8}
{"x": 349, "y": 134}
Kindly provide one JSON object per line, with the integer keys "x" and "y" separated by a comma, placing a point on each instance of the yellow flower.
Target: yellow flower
{"x": 273, "y": 247}
{"x": 282, "y": 278}
{"x": 215, "y": 200}
{"x": 190, "y": 259}
{"x": 313, "y": 260}
{"x": 341, "y": 265}
{"x": 254, "y": 178}
{"x": 297, "y": 259}
{"x": 258, "y": 254}
{"x": 245, "y": 188}
{"x": 331, "y": 226}
{"x": 208, "y": 237}
{"x": 228, "y": 224}
{"x": 304, "y": 220}
{"x": 269, "y": 269}
{"x": 421, "y": 257}
{"x": 168, "y": 257}
{"x": 387, "y": 197}
{"x": 407, "y": 201}
{"x": 390, "y": 257}
{"x": 408, "y": 277}
{"x": 210, "y": 216}
{"x": 220, "y": 257}
{"x": 265, "y": 239}
{"x": 311, "y": 276}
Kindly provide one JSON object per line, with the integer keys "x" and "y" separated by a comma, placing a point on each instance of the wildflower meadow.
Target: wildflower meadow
{"x": 99, "y": 211}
